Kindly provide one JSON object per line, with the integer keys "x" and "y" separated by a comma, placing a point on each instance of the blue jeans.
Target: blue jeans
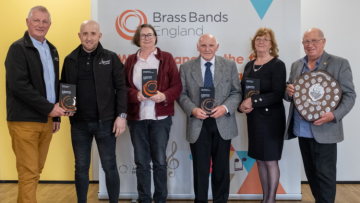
{"x": 82, "y": 134}
{"x": 150, "y": 139}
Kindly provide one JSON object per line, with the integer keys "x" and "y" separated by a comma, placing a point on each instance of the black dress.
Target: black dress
{"x": 266, "y": 122}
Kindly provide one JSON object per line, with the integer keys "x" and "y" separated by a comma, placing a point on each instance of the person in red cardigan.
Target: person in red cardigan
{"x": 149, "y": 119}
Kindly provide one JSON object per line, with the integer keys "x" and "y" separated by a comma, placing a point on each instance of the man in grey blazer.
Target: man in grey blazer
{"x": 318, "y": 139}
{"x": 210, "y": 135}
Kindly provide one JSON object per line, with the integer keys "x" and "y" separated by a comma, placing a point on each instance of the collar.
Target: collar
{"x": 29, "y": 43}
{"x": 305, "y": 59}
{"x": 84, "y": 53}
{"x": 154, "y": 53}
{"x": 74, "y": 55}
{"x": 34, "y": 41}
{"x": 202, "y": 61}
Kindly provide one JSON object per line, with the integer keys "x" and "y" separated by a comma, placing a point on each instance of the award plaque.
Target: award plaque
{"x": 315, "y": 93}
{"x": 149, "y": 82}
{"x": 252, "y": 87}
{"x": 68, "y": 97}
{"x": 207, "y": 99}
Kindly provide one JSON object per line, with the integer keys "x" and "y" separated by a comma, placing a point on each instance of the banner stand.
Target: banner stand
{"x": 179, "y": 24}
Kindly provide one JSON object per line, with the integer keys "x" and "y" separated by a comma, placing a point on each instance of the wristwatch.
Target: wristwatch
{"x": 123, "y": 116}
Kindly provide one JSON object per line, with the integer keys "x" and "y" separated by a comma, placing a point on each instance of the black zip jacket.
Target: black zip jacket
{"x": 109, "y": 81}
{"x": 25, "y": 85}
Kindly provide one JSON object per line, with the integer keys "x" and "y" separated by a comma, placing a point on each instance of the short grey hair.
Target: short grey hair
{"x": 38, "y": 8}
{"x": 321, "y": 34}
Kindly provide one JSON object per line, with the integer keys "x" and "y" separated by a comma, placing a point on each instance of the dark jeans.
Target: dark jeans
{"x": 320, "y": 168}
{"x": 150, "y": 139}
{"x": 211, "y": 146}
{"x": 82, "y": 134}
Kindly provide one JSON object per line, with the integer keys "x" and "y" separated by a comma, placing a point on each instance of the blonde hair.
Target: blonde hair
{"x": 262, "y": 32}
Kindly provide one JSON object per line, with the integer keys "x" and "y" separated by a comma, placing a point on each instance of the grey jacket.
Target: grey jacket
{"x": 339, "y": 68}
{"x": 227, "y": 92}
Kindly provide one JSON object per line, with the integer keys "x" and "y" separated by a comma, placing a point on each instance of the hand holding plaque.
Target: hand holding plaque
{"x": 149, "y": 82}
{"x": 315, "y": 93}
{"x": 252, "y": 87}
{"x": 207, "y": 99}
{"x": 68, "y": 97}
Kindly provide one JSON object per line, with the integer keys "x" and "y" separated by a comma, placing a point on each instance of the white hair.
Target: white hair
{"x": 210, "y": 35}
{"x": 38, "y": 8}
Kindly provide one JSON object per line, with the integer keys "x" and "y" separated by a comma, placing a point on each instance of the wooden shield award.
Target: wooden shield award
{"x": 315, "y": 93}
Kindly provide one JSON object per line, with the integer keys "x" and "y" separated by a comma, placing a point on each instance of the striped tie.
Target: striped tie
{"x": 208, "y": 81}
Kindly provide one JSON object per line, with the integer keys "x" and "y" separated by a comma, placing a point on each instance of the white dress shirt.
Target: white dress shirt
{"x": 147, "y": 108}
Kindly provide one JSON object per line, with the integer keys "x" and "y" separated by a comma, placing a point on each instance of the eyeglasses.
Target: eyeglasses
{"x": 262, "y": 40}
{"x": 313, "y": 41}
{"x": 149, "y": 36}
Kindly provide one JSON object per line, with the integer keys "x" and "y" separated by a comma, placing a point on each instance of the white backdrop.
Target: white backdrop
{"x": 339, "y": 21}
{"x": 238, "y": 21}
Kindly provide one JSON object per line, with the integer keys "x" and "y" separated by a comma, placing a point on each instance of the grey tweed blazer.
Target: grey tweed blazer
{"x": 227, "y": 92}
{"x": 339, "y": 68}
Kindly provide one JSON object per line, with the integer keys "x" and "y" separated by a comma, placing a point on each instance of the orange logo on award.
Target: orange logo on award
{"x": 122, "y": 27}
{"x": 208, "y": 105}
{"x": 252, "y": 92}
{"x": 68, "y": 103}
{"x": 150, "y": 88}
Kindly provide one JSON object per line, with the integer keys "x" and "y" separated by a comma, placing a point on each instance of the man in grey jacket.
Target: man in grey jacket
{"x": 210, "y": 135}
{"x": 318, "y": 139}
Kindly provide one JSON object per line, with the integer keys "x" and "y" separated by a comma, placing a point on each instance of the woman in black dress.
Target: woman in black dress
{"x": 265, "y": 111}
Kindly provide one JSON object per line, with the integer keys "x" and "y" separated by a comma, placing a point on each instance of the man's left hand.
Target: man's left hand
{"x": 218, "y": 111}
{"x": 159, "y": 97}
{"x": 119, "y": 126}
{"x": 324, "y": 118}
{"x": 56, "y": 126}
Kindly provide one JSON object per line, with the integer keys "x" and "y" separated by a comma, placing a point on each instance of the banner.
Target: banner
{"x": 179, "y": 24}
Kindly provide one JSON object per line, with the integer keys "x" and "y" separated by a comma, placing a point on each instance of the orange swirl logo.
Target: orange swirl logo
{"x": 207, "y": 105}
{"x": 251, "y": 93}
{"x": 150, "y": 88}
{"x": 68, "y": 103}
{"x": 121, "y": 25}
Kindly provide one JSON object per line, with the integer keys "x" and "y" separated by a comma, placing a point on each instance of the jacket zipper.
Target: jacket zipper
{"x": 95, "y": 58}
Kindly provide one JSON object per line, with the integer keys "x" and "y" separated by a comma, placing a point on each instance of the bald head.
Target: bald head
{"x": 89, "y": 35}
{"x": 207, "y": 36}
{"x": 319, "y": 33}
{"x": 207, "y": 46}
{"x": 90, "y": 23}
{"x": 314, "y": 44}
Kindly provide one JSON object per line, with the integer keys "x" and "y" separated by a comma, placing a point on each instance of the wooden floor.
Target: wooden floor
{"x": 65, "y": 193}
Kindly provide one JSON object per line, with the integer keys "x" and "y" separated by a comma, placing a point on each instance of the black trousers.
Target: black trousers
{"x": 210, "y": 145}
{"x": 320, "y": 168}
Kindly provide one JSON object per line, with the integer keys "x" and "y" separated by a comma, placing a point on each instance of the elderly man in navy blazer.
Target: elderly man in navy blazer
{"x": 210, "y": 136}
{"x": 318, "y": 139}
